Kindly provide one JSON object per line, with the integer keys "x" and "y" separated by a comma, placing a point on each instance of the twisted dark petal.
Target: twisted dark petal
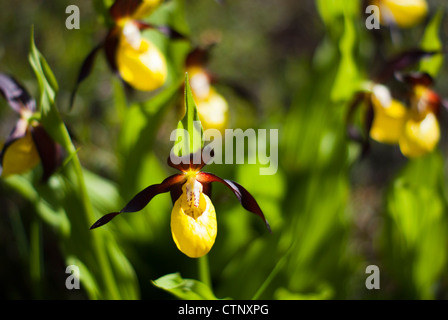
{"x": 84, "y": 71}
{"x": 401, "y": 62}
{"x": 142, "y": 198}
{"x": 246, "y": 199}
{"x": 110, "y": 48}
{"x": 16, "y": 95}
{"x": 50, "y": 153}
{"x": 415, "y": 78}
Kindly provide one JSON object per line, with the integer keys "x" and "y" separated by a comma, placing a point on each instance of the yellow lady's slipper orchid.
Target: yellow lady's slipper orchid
{"x": 212, "y": 107}
{"x": 28, "y": 144}
{"x": 193, "y": 218}
{"x": 415, "y": 128}
{"x": 402, "y": 13}
{"x": 21, "y": 156}
{"x": 420, "y": 136}
{"x": 389, "y": 116}
{"x": 135, "y": 59}
{"x": 139, "y": 62}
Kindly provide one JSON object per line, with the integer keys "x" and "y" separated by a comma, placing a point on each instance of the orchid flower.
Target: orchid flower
{"x": 212, "y": 107}
{"x": 414, "y": 127}
{"x": 193, "y": 217}
{"x": 29, "y": 143}
{"x": 401, "y": 13}
{"x": 135, "y": 59}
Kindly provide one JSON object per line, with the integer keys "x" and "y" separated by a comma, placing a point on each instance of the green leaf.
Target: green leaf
{"x": 186, "y": 289}
{"x": 189, "y": 129}
{"x": 415, "y": 226}
{"x": 431, "y": 42}
{"x": 87, "y": 279}
{"x": 347, "y": 78}
{"x": 48, "y": 88}
{"x": 47, "y": 82}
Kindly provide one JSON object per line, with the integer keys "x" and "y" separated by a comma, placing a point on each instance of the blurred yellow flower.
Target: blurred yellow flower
{"x": 389, "y": 116}
{"x": 28, "y": 144}
{"x": 136, "y": 60}
{"x": 21, "y": 156}
{"x": 212, "y": 107}
{"x": 139, "y": 62}
{"x": 415, "y": 129}
{"x": 420, "y": 136}
{"x": 402, "y": 13}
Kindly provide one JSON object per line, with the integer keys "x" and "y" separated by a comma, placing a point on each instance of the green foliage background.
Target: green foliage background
{"x": 331, "y": 213}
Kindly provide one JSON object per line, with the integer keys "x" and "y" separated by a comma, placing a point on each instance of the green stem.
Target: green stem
{"x": 98, "y": 245}
{"x": 204, "y": 271}
{"x": 278, "y": 266}
{"x": 35, "y": 257}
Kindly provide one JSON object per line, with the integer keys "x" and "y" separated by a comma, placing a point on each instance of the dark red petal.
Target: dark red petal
{"x": 194, "y": 161}
{"x": 198, "y": 56}
{"x": 16, "y": 95}
{"x": 402, "y": 61}
{"x": 110, "y": 48}
{"x": 50, "y": 153}
{"x": 416, "y": 78}
{"x": 123, "y": 8}
{"x": 176, "y": 192}
{"x": 84, "y": 71}
{"x": 142, "y": 198}
{"x": 246, "y": 199}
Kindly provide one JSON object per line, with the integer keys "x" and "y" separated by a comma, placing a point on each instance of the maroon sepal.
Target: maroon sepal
{"x": 191, "y": 162}
{"x": 401, "y": 62}
{"x": 415, "y": 78}
{"x": 50, "y": 153}
{"x": 123, "y": 8}
{"x": 142, "y": 198}
{"x": 110, "y": 48}
{"x": 16, "y": 95}
{"x": 246, "y": 199}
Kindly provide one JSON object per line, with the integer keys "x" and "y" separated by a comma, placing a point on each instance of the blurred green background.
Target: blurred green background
{"x": 331, "y": 213}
